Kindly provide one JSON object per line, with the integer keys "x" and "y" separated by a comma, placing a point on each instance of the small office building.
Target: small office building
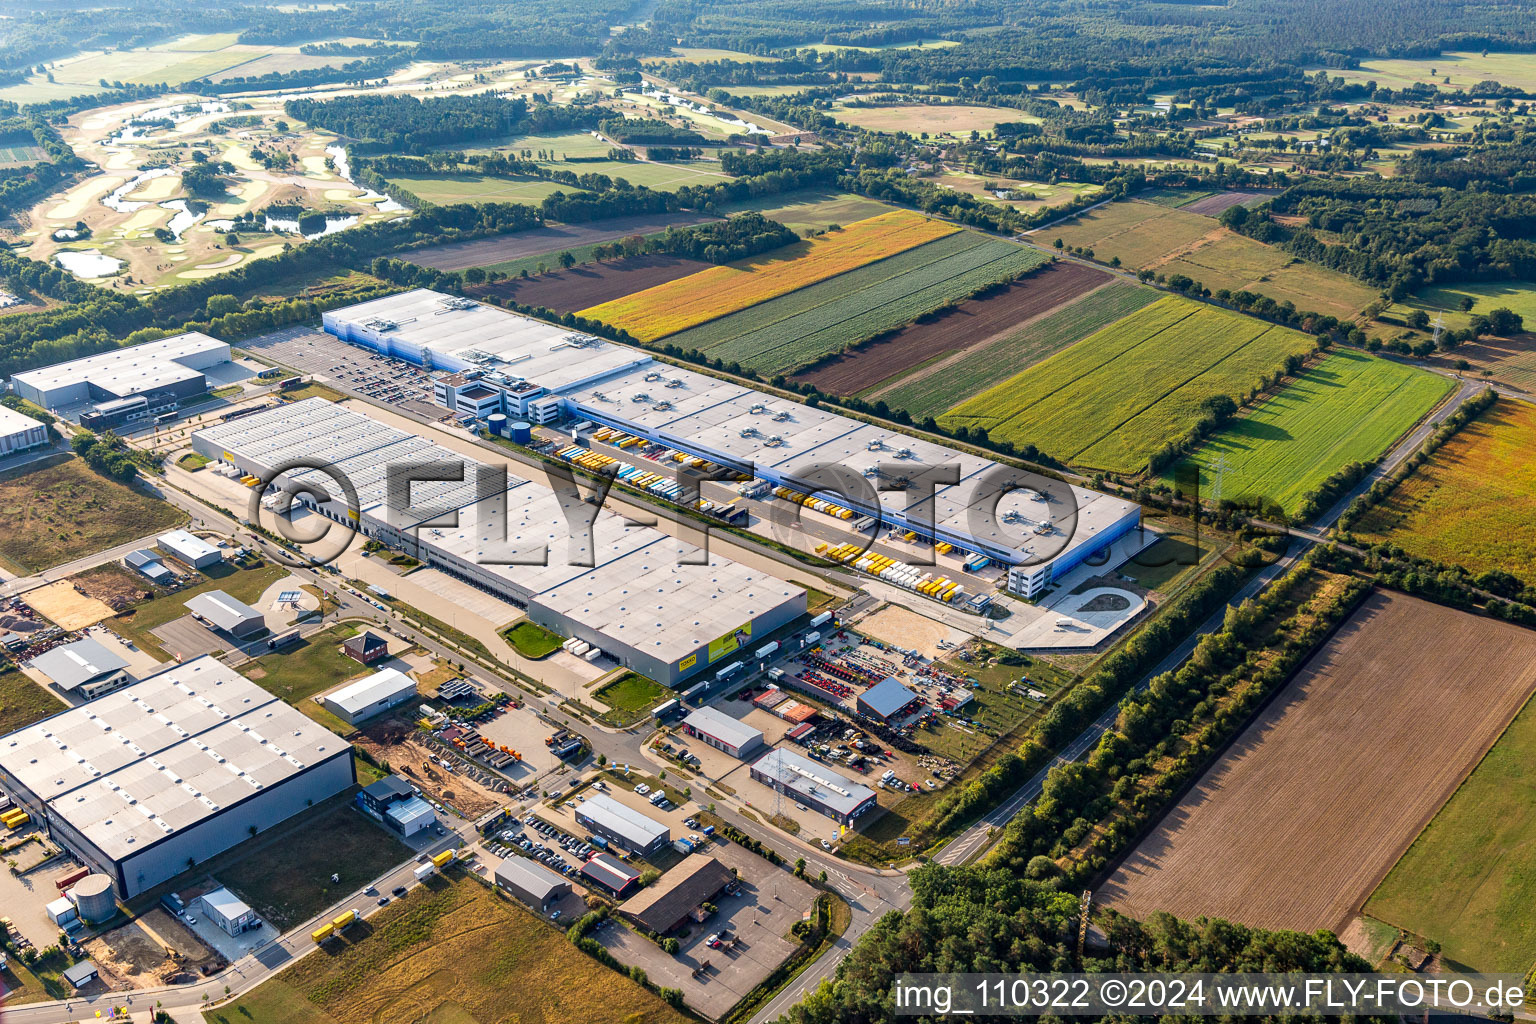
{"x": 228, "y": 911}
{"x": 721, "y": 731}
{"x": 84, "y": 668}
{"x": 189, "y": 548}
{"x": 221, "y": 611}
{"x": 619, "y": 823}
{"x": 532, "y": 883}
{"x": 371, "y": 695}
{"x": 365, "y": 648}
{"x": 610, "y": 875}
{"x": 394, "y": 803}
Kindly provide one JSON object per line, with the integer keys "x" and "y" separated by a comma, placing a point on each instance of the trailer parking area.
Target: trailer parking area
{"x": 348, "y": 368}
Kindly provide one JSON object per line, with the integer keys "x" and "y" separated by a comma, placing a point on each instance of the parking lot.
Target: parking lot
{"x": 754, "y": 925}
{"x": 349, "y": 368}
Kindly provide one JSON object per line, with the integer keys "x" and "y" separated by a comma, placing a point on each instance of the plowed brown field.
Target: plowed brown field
{"x": 970, "y": 323}
{"x": 593, "y": 283}
{"x": 1316, "y": 800}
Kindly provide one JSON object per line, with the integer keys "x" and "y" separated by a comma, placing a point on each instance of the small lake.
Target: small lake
{"x": 87, "y": 262}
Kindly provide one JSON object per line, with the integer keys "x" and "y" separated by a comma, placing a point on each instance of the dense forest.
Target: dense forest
{"x": 392, "y": 123}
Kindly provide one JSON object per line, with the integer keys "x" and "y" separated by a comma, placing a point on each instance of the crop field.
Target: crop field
{"x": 1112, "y": 399}
{"x": 1468, "y": 880}
{"x": 810, "y": 324}
{"x": 1139, "y": 233}
{"x": 21, "y": 155}
{"x": 451, "y": 951}
{"x": 1172, "y": 197}
{"x": 558, "y": 146}
{"x": 1231, "y": 261}
{"x": 811, "y": 209}
{"x": 662, "y": 177}
{"x": 445, "y": 189}
{"x": 933, "y": 118}
{"x": 933, "y": 390}
{"x": 1045, "y": 195}
{"x": 1216, "y": 202}
{"x": 1463, "y": 69}
{"x": 501, "y": 251}
{"x": 1315, "y": 800}
{"x": 1474, "y": 502}
{"x": 1348, "y": 408}
{"x": 690, "y": 301}
{"x": 972, "y": 323}
{"x": 593, "y": 283}
{"x": 55, "y": 511}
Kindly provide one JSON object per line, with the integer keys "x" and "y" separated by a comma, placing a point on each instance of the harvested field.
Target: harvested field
{"x": 1112, "y": 399}
{"x": 719, "y": 291}
{"x": 488, "y": 252}
{"x": 944, "y": 385}
{"x": 1211, "y": 205}
{"x": 1316, "y": 799}
{"x": 1474, "y": 502}
{"x": 1139, "y": 233}
{"x": 973, "y": 322}
{"x": 66, "y": 607}
{"x": 812, "y": 323}
{"x": 593, "y": 283}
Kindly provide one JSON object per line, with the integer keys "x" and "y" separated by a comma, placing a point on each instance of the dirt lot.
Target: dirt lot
{"x": 134, "y": 955}
{"x": 114, "y": 586}
{"x": 968, "y": 324}
{"x": 484, "y": 252}
{"x": 897, "y": 625}
{"x": 594, "y": 283}
{"x": 67, "y": 607}
{"x": 1317, "y": 799}
{"x": 394, "y": 741}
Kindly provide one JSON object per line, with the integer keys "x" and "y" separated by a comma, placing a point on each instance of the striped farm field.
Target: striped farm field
{"x": 991, "y": 364}
{"x": 802, "y": 327}
{"x": 1474, "y": 502}
{"x": 1115, "y": 397}
{"x": 1348, "y": 408}
{"x": 678, "y": 305}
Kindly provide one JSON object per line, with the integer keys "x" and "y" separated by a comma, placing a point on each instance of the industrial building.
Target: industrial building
{"x": 80, "y": 974}
{"x": 395, "y": 803}
{"x": 532, "y": 883}
{"x": 505, "y": 363}
{"x": 189, "y": 548}
{"x": 228, "y": 911}
{"x": 147, "y": 563}
{"x": 166, "y": 773}
{"x": 674, "y": 898}
{"x": 619, "y": 823}
{"x": 20, "y": 432}
{"x": 612, "y": 876}
{"x": 221, "y": 611}
{"x": 371, "y": 695}
{"x": 813, "y": 784}
{"x": 635, "y": 593}
{"x": 124, "y": 385}
{"x": 721, "y": 731}
{"x": 887, "y": 700}
{"x": 84, "y": 668}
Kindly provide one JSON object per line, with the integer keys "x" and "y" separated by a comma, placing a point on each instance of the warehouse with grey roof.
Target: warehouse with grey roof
{"x": 813, "y": 784}
{"x": 170, "y": 771}
{"x": 84, "y": 667}
{"x": 622, "y": 824}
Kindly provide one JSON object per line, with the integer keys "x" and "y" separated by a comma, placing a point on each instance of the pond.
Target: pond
{"x": 87, "y": 262}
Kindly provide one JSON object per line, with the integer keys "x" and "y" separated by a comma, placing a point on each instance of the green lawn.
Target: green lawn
{"x": 452, "y": 951}
{"x": 23, "y": 702}
{"x": 663, "y": 177}
{"x": 1348, "y": 408}
{"x": 446, "y": 189}
{"x": 630, "y": 696}
{"x": 532, "y": 640}
{"x": 1167, "y": 560}
{"x": 559, "y": 146}
{"x": 1446, "y": 300}
{"x": 1469, "y": 880}
{"x": 302, "y": 670}
{"x": 810, "y": 209}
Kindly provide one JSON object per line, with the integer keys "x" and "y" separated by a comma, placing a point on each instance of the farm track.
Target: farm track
{"x": 973, "y": 323}
{"x": 1316, "y": 800}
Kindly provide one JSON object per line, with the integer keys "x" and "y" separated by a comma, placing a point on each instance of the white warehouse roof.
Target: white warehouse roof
{"x": 223, "y": 611}
{"x": 383, "y": 684}
{"x": 135, "y": 368}
{"x": 73, "y": 665}
{"x": 186, "y": 545}
{"x": 716, "y": 723}
{"x": 621, "y": 819}
{"x": 814, "y": 779}
{"x": 13, "y": 422}
{"x": 162, "y": 755}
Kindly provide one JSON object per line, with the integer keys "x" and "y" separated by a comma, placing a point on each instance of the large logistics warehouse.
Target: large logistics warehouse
{"x": 639, "y": 600}
{"x": 126, "y": 383}
{"x": 170, "y": 771}
{"x": 1011, "y": 515}
{"x": 20, "y": 432}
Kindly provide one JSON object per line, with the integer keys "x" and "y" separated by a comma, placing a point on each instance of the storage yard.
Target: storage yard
{"x": 1314, "y": 802}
